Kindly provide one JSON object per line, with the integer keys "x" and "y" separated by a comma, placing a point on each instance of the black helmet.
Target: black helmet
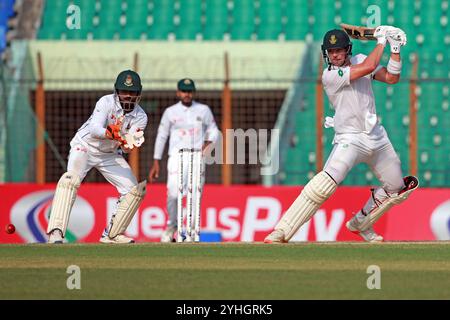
{"x": 336, "y": 39}
{"x": 128, "y": 80}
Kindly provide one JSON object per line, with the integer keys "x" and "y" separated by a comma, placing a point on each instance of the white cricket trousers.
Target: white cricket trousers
{"x": 375, "y": 149}
{"x": 112, "y": 166}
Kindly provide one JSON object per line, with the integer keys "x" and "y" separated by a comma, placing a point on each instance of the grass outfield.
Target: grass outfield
{"x": 226, "y": 271}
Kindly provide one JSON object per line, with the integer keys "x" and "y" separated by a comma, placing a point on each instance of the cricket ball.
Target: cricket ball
{"x": 10, "y": 229}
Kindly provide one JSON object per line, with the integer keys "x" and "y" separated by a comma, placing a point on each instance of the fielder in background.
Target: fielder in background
{"x": 358, "y": 135}
{"x": 190, "y": 125}
{"x": 115, "y": 127}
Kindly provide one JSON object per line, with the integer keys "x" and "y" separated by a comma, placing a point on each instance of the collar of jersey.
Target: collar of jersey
{"x": 184, "y": 107}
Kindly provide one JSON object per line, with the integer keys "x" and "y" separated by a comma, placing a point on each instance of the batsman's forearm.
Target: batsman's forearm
{"x": 395, "y": 56}
{"x": 374, "y": 57}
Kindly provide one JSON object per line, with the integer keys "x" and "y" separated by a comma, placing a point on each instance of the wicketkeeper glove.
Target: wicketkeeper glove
{"x": 134, "y": 140}
{"x": 113, "y": 132}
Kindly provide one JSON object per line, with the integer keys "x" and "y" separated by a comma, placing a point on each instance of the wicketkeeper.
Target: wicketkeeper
{"x": 190, "y": 125}
{"x": 115, "y": 127}
{"x": 359, "y": 137}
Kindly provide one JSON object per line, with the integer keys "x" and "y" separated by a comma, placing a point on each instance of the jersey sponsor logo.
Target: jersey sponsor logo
{"x": 31, "y": 212}
{"x": 440, "y": 221}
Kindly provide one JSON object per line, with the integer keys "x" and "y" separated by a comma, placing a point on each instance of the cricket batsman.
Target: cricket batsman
{"x": 116, "y": 126}
{"x": 359, "y": 137}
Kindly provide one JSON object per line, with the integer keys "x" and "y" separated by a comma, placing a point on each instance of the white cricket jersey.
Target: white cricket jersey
{"x": 353, "y": 101}
{"x": 188, "y": 127}
{"x": 108, "y": 111}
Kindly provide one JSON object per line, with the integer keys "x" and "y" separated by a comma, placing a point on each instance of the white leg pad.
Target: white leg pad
{"x": 126, "y": 209}
{"x": 65, "y": 195}
{"x": 379, "y": 208}
{"x": 316, "y": 191}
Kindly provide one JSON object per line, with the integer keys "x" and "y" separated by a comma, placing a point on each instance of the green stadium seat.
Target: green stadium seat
{"x": 214, "y": 33}
{"x": 187, "y": 33}
{"x": 162, "y": 25}
{"x": 190, "y": 13}
{"x": 163, "y": 13}
{"x": 268, "y": 32}
{"x": 190, "y": 20}
{"x": 242, "y": 33}
{"x": 296, "y": 33}
{"x": 216, "y": 20}
{"x": 137, "y": 15}
{"x": 216, "y": 11}
{"x": 78, "y": 34}
{"x": 159, "y": 32}
{"x": 352, "y": 13}
{"x": 243, "y": 20}
{"x": 105, "y": 34}
{"x": 243, "y": 13}
{"x": 50, "y": 33}
{"x": 110, "y": 14}
{"x": 140, "y": 4}
{"x": 297, "y": 20}
{"x": 133, "y": 33}
{"x": 270, "y": 20}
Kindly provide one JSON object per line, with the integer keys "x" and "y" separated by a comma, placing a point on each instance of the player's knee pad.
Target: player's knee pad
{"x": 378, "y": 205}
{"x": 65, "y": 195}
{"x": 127, "y": 207}
{"x": 316, "y": 191}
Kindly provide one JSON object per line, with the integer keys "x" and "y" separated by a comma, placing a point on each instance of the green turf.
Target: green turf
{"x": 226, "y": 271}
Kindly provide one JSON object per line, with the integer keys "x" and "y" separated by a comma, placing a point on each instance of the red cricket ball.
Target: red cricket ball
{"x": 10, "y": 228}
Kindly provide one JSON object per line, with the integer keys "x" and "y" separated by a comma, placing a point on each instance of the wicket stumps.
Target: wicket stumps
{"x": 194, "y": 159}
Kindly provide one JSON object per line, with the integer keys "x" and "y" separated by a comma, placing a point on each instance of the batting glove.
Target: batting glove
{"x": 397, "y": 40}
{"x": 382, "y": 32}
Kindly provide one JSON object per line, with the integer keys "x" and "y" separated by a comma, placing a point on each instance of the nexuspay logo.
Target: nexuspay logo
{"x": 31, "y": 212}
{"x": 440, "y": 221}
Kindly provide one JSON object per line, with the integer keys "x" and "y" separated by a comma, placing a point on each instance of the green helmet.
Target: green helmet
{"x": 336, "y": 39}
{"x": 130, "y": 81}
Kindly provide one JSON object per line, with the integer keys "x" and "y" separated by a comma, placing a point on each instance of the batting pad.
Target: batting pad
{"x": 316, "y": 191}
{"x": 412, "y": 183}
{"x": 65, "y": 195}
{"x": 126, "y": 209}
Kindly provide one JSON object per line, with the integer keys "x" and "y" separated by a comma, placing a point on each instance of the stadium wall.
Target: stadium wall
{"x": 239, "y": 213}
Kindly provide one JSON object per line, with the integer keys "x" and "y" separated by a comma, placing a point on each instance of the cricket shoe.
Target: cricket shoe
{"x": 119, "y": 239}
{"x": 168, "y": 234}
{"x": 368, "y": 235}
{"x": 276, "y": 236}
{"x": 56, "y": 237}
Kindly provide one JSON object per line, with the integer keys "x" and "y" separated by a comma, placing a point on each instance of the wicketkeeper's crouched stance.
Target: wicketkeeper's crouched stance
{"x": 358, "y": 136}
{"x": 116, "y": 125}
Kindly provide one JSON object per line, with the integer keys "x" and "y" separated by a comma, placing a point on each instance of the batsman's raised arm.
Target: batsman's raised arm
{"x": 391, "y": 74}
